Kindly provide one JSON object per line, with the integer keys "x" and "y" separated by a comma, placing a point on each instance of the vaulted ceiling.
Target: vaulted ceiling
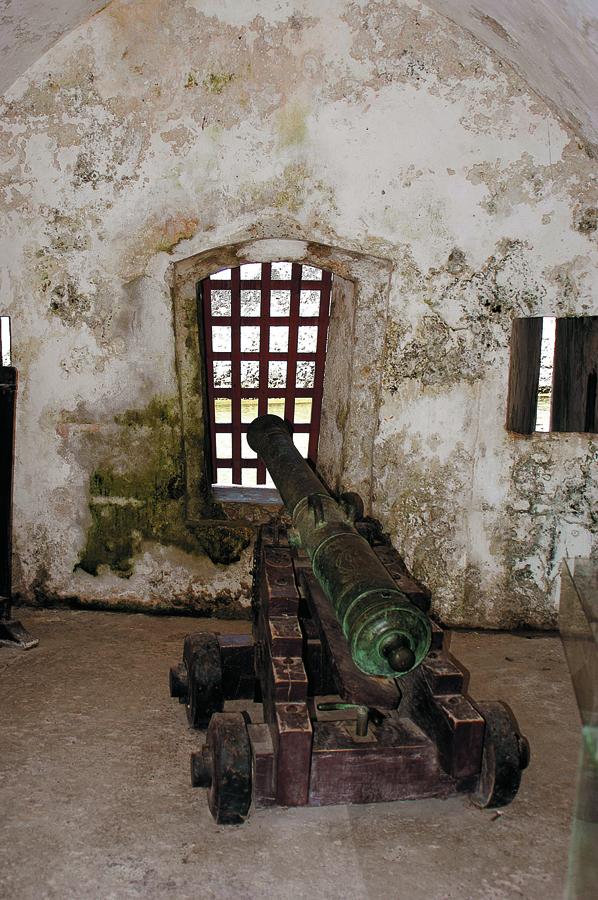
{"x": 552, "y": 43}
{"x": 30, "y": 27}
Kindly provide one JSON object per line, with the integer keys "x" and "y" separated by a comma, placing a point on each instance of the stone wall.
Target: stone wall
{"x": 162, "y": 132}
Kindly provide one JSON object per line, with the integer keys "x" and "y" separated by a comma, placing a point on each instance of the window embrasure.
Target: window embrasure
{"x": 553, "y": 375}
{"x": 265, "y": 328}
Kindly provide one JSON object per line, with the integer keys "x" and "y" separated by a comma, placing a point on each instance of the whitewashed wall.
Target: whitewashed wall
{"x": 160, "y": 130}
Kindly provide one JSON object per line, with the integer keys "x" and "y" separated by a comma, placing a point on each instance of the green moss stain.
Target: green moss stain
{"x": 222, "y": 604}
{"x": 151, "y": 441}
{"x": 286, "y": 191}
{"x": 139, "y": 495}
{"x": 113, "y": 539}
{"x": 66, "y": 301}
{"x": 191, "y": 81}
{"x": 215, "y": 82}
{"x": 292, "y": 125}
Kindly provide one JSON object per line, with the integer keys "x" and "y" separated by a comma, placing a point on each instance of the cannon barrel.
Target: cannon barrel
{"x": 386, "y": 633}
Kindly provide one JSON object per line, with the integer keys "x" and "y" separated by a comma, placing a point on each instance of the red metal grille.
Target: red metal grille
{"x": 265, "y": 332}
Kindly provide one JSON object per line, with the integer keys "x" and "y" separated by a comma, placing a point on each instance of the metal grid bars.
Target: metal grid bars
{"x": 265, "y": 327}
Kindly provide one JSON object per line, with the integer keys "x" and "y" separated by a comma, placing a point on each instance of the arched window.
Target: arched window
{"x": 265, "y": 327}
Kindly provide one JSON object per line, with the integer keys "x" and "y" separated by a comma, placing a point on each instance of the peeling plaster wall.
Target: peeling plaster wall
{"x": 552, "y": 43}
{"x": 159, "y": 130}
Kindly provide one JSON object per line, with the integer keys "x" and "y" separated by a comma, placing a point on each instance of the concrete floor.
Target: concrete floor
{"x": 95, "y": 798}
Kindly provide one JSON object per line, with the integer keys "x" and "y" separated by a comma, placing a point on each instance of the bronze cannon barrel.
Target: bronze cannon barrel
{"x": 387, "y": 634}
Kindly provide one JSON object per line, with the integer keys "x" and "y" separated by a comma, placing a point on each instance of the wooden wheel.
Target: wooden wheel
{"x": 229, "y": 793}
{"x": 505, "y": 754}
{"x": 201, "y": 656}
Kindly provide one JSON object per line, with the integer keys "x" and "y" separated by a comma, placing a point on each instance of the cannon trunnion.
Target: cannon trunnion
{"x": 292, "y": 720}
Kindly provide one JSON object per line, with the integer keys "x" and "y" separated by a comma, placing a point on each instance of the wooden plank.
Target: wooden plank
{"x": 575, "y": 373}
{"x": 401, "y": 764}
{"x": 280, "y": 605}
{"x": 320, "y": 365}
{"x": 274, "y": 534}
{"x": 279, "y": 563}
{"x": 278, "y": 284}
{"x": 524, "y": 374}
{"x": 251, "y": 393}
{"x": 289, "y": 679}
{"x": 449, "y": 720}
{"x": 278, "y": 592}
{"x": 265, "y": 288}
{"x": 264, "y": 496}
{"x": 292, "y": 743}
{"x": 249, "y": 355}
{"x": 319, "y": 675}
{"x": 295, "y": 286}
{"x": 262, "y": 755}
{"x": 284, "y": 636}
{"x": 238, "y": 674}
{"x": 437, "y": 636}
{"x": 464, "y": 735}
{"x": 442, "y": 675}
{"x": 301, "y": 561}
{"x": 235, "y": 356}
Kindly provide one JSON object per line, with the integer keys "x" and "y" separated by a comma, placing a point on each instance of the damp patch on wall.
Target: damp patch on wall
{"x": 142, "y": 498}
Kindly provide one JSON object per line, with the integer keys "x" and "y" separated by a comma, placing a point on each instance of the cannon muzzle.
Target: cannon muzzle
{"x": 386, "y": 633}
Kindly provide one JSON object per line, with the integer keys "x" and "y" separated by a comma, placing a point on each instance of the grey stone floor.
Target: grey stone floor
{"x": 95, "y": 799}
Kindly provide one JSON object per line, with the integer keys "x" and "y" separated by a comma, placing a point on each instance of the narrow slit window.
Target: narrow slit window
{"x": 546, "y": 371}
{"x": 553, "y": 375}
{"x": 4, "y": 340}
{"x": 265, "y": 328}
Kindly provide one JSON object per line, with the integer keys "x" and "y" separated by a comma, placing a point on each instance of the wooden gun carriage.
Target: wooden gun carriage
{"x": 291, "y": 717}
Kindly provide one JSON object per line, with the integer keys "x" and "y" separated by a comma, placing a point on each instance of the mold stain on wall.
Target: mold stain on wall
{"x": 146, "y": 500}
{"x": 438, "y": 373}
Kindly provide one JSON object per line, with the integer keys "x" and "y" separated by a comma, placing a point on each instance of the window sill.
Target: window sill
{"x": 549, "y": 435}
{"x": 237, "y": 493}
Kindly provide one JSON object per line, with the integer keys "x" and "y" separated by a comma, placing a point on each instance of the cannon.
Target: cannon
{"x": 387, "y": 634}
{"x": 345, "y": 691}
